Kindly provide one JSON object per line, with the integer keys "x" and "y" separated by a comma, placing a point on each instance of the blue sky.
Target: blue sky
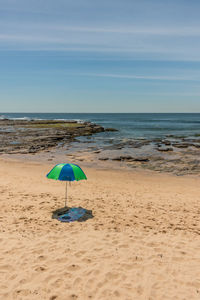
{"x": 99, "y": 56}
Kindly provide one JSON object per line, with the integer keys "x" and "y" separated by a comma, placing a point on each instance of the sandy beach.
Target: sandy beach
{"x": 109, "y": 90}
{"x": 142, "y": 242}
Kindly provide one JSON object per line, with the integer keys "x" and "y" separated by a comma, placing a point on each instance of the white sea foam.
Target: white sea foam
{"x": 3, "y": 117}
{"x": 77, "y": 120}
{"x": 23, "y": 118}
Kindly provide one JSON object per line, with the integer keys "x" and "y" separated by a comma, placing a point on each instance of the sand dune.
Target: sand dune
{"x": 143, "y": 242}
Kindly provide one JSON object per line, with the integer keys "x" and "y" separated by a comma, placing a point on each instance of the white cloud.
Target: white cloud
{"x": 161, "y": 31}
{"x": 138, "y": 42}
{"x": 80, "y": 43}
{"x": 28, "y": 38}
{"x": 144, "y": 77}
{"x": 173, "y": 31}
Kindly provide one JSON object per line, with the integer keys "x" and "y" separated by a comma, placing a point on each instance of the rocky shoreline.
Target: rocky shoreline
{"x": 173, "y": 154}
{"x": 177, "y": 155}
{"x": 23, "y": 136}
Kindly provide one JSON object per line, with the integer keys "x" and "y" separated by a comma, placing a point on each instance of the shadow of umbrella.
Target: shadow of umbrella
{"x": 58, "y": 213}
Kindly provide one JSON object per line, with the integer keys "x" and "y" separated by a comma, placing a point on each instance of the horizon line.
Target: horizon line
{"x": 100, "y": 112}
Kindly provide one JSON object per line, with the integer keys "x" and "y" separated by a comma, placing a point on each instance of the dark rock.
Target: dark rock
{"x": 164, "y": 149}
{"x": 130, "y": 158}
{"x": 117, "y": 158}
{"x": 141, "y": 159}
{"x": 121, "y": 158}
{"x": 167, "y": 143}
{"x": 181, "y": 145}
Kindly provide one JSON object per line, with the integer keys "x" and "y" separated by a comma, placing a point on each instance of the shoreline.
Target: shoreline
{"x": 90, "y": 160}
{"x": 92, "y": 144}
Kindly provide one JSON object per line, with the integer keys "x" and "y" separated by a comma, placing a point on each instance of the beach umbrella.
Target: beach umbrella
{"x": 66, "y": 172}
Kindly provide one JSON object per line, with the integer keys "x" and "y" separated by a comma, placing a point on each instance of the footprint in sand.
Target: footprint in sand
{"x": 77, "y": 282}
{"x": 41, "y": 257}
{"x": 40, "y": 268}
{"x": 58, "y": 283}
{"x": 112, "y": 275}
{"x": 117, "y": 294}
{"x": 73, "y": 267}
{"x": 80, "y": 253}
{"x": 73, "y": 296}
{"x": 53, "y": 297}
{"x": 23, "y": 292}
{"x": 6, "y": 268}
{"x": 123, "y": 246}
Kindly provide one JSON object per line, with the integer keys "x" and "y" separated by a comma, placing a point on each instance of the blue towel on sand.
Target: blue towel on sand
{"x": 72, "y": 215}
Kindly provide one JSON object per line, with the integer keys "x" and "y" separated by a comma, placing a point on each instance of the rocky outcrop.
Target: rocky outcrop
{"x": 22, "y": 136}
{"x": 111, "y": 129}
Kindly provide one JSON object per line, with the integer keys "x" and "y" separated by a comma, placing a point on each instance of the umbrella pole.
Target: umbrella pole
{"x": 66, "y": 195}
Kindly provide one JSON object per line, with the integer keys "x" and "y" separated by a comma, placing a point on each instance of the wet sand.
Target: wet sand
{"x": 142, "y": 243}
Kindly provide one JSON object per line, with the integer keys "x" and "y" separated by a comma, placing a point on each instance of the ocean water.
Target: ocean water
{"x": 130, "y": 126}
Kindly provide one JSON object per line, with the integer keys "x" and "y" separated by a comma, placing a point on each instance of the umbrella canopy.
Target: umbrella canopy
{"x": 66, "y": 172}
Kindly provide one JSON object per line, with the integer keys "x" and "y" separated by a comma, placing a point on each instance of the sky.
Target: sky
{"x": 99, "y": 56}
